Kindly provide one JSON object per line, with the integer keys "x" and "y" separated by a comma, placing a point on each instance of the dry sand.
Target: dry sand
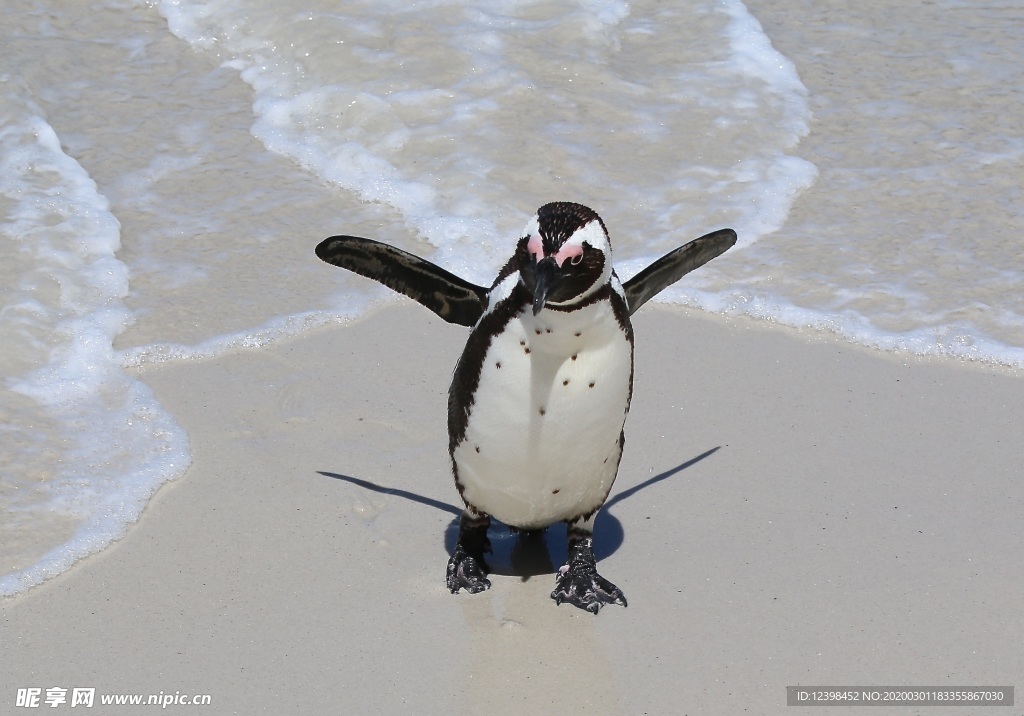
{"x": 790, "y": 510}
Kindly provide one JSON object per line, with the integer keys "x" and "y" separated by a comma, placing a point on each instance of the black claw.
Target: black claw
{"x": 579, "y": 584}
{"x": 467, "y": 572}
{"x": 467, "y": 568}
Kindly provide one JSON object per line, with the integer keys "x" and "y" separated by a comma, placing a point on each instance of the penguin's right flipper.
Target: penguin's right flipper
{"x": 674, "y": 265}
{"x": 450, "y": 297}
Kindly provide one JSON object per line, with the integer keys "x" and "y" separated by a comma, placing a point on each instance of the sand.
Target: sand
{"x": 791, "y": 509}
{"x": 858, "y": 522}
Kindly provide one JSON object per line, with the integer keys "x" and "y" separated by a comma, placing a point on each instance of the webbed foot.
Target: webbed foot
{"x": 579, "y": 584}
{"x": 467, "y": 572}
{"x": 467, "y": 568}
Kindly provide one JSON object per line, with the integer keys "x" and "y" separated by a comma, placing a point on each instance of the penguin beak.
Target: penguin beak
{"x": 544, "y": 281}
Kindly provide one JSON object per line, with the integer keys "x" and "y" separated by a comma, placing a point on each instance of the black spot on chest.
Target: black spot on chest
{"x": 466, "y": 378}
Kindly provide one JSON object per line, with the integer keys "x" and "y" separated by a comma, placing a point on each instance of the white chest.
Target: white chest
{"x": 542, "y": 441}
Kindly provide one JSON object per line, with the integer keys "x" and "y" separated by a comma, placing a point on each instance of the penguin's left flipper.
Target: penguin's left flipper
{"x": 674, "y": 265}
{"x": 452, "y": 298}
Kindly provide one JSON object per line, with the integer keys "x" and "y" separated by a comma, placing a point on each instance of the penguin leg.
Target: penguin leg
{"x": 530, "y": 556}
{"x": 577, "y": 581}
{"x": 467, "y": 568}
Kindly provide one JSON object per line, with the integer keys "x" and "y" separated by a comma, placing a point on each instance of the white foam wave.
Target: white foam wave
{"x": 117, "y": 445}
{"x": 274, "y": 330}
{"x": 372, "y": 122}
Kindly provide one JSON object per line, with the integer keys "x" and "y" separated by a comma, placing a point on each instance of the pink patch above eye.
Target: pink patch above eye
{"x": 574, "y": 253}
{"x": 535, "y": 247}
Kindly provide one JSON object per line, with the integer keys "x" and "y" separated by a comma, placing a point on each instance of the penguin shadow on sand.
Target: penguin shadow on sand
{"x": 529, "y": 554}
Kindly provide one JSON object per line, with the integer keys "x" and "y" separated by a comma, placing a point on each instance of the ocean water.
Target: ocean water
{"x": 167, "y": 167}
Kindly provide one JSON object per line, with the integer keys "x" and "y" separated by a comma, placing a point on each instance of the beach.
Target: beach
{"x": 863, "y": 533}
{"x": 792, "y": 508}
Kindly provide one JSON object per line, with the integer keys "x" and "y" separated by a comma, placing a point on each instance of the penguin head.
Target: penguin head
{"x": 564, "y": 256}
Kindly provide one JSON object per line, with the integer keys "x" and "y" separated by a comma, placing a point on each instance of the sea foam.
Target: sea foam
{"x": 409, "y": 112}
{"x": 101, "y": 439}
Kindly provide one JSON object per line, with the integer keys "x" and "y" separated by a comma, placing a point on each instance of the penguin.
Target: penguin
{"x": 539, "y": 397}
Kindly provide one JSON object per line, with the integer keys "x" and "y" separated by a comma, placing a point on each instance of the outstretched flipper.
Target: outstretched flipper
{"x": 674, "y": 265}
{"x": 450, "y": 297}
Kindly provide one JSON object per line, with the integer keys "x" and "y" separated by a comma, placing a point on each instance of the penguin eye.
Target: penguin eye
{"x": 572, "y": 254}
